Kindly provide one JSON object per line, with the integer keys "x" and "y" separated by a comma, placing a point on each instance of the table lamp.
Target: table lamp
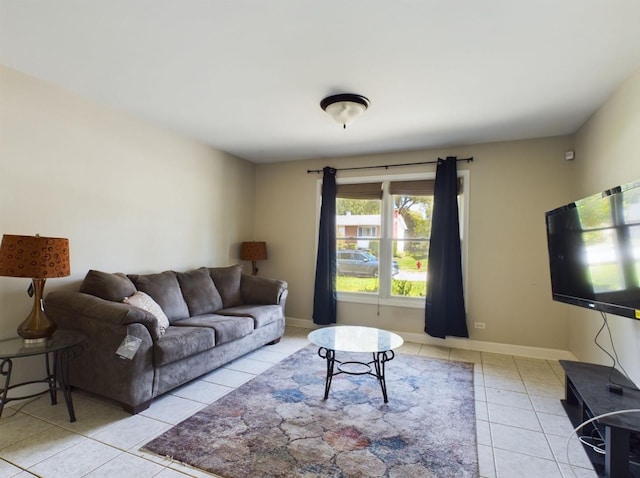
{"x": 37, "y": 258}
{"x": 254, "y": 251}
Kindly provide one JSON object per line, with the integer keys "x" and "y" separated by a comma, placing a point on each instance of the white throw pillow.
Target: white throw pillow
{"x": 145, "y": 302}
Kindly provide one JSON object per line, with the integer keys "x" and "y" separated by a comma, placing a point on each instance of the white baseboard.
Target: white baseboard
{"x": 465, "y": 344}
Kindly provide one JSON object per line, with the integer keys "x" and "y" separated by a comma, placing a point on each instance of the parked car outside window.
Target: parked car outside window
{"x": 360, "y": 263}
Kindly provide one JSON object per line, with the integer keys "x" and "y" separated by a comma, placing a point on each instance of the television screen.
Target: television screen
{"x": 594, "y": 251}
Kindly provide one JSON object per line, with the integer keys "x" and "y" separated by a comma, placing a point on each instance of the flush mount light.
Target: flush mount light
{"x": 345, "y": 108}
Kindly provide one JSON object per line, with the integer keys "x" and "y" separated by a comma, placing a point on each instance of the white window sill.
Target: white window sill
{"x": 373, "y": 299}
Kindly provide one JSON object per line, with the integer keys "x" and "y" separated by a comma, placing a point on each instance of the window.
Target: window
{"x": 383, "y": 229}
{"x": 367, "y": 231}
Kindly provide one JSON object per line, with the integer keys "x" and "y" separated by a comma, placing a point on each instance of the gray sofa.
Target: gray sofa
{"x": 215, "y": 315}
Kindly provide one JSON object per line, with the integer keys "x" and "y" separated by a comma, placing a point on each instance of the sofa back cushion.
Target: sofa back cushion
{"x": 199, "y": 292}
{"x": 165, "y": 290}
{"x": 107, "y": 286}
{"x": 227, "y": 281}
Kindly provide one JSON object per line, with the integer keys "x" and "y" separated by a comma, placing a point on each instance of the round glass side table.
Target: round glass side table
{"x": 58, "y": 350}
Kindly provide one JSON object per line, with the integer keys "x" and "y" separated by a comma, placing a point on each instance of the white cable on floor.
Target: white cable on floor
{"x": 604, "y": 415}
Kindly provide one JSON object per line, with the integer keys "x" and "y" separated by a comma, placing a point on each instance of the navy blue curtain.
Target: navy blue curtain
{"x": 324, "y": 297}
{"x": 444, "y": 311}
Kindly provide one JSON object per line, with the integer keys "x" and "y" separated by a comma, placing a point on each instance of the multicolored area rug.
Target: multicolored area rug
{"x": 278, "y": 425}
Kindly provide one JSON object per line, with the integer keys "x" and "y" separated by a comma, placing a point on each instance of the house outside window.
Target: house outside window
{"x": 383, "y": 226}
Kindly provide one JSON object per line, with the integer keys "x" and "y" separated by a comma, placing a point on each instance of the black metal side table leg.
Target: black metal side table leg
{"x": 379, "y": 359}
{"x": 330, "y": 355}
{"x": 51, "y": 378}
{"x": 61, "y": 367}
{"x": 5, "y": 370}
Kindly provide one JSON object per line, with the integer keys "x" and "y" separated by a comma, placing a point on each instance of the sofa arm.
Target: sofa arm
{"x": 100, "y": 370}
{"x": 69, "y": 310}
{"x": 260, "y": 290}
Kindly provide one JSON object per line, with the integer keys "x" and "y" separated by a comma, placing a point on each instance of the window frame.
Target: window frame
{"x": 384, "y": 296}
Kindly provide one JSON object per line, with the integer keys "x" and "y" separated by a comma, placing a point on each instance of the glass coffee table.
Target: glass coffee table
{"x": 351, "y": 338}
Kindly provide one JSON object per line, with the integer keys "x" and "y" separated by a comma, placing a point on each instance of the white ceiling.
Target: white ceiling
{"x": 247, "y": 76}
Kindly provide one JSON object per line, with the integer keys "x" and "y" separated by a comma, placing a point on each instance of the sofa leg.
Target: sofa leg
{"x": 138, "y": 408}
{"x": 273, "y": 342}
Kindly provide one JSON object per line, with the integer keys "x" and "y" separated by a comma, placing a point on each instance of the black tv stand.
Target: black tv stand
{"x": 586, "y": 396}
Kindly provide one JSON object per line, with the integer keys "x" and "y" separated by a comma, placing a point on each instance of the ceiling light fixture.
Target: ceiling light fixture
{"x": 345, "y": 108}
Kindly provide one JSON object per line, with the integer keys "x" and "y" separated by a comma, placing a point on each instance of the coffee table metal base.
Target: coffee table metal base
{"x": 379, "y": 359}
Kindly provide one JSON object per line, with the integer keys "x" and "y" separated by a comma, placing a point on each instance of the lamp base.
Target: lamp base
{"x": 36, "y": 328}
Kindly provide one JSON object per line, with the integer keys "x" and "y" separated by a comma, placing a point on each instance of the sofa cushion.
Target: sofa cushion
{"x": 261, "y": 314}
{"x": 199, "y": 291}
{"x": 227, "y": 281}
{"x": 226, "y": 328}
{"x": 142, "y": 301}
{"x": 107, "y": 286}
{"x": 180, "y": 342}
{"x": 165, "y": 290}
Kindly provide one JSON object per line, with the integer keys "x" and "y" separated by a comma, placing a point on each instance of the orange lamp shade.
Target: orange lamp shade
{"x": 253, "y": 251}
{"x": 34, "y": 257}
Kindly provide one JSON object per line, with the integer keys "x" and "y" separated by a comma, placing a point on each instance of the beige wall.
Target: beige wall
{"x": 608, "y": 154}
{"x": 134, "y": 197}
{"x": 508, "y": 288}
{"x": 130, "y": 196}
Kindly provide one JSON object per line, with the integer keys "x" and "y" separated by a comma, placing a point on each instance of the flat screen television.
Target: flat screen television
{"x": 594, "y": 251}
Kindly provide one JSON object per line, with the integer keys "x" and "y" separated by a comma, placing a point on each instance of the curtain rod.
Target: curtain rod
{"x": 387, "y": 166}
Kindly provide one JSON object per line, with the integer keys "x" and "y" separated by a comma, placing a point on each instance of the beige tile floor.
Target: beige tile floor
{"x": 522, "y": 429}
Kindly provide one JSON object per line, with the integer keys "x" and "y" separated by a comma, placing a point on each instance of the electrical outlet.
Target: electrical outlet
{"x": 479, "y": 325}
